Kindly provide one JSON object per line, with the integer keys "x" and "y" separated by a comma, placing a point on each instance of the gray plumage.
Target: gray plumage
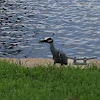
{"x": 58, "y": 56}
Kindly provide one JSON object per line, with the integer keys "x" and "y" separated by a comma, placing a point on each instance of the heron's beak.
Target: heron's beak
{"x": 42, "y": 41}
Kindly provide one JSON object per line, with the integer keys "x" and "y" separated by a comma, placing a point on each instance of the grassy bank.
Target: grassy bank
{"x": 41, "y": 83}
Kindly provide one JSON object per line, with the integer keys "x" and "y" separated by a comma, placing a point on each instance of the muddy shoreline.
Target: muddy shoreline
{"x": 30, "y": 62}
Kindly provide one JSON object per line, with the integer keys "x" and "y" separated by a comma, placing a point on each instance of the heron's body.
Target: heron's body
{"x": 58, "y": 56}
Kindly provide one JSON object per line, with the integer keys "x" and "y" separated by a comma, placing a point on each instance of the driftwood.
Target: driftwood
{"x": 84, "y": 60}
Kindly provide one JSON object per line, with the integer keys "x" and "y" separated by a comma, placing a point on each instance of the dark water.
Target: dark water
{"x": 74, "y": 25}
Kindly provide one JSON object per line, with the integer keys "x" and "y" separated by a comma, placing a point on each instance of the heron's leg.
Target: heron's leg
{"x": 53, "y": 66}
{"x": 54, "y": 63}
{"x": 61, "y": 68}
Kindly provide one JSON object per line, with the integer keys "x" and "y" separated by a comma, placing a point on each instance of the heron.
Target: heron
{"x": 58, "y": 56}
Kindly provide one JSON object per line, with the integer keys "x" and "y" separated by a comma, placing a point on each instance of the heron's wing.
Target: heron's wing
{"x": 62, "y": 57}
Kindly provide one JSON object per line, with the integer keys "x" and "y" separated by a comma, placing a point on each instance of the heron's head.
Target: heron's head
{"x": 46, "y": 40}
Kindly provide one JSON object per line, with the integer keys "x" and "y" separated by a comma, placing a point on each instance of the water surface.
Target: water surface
{"x": 73, "y": 24}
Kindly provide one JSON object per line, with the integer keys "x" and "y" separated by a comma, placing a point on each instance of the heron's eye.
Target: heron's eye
{"x": 49, "y": 39}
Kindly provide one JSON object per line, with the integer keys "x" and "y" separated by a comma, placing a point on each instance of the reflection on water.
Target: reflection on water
{"x": 74, "y": 25}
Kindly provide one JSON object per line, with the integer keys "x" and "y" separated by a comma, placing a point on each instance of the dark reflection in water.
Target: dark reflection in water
{"x": 74, "y": 25}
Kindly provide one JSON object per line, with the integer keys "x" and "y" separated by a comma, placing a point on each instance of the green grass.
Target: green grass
{"x": 43, "y": 83}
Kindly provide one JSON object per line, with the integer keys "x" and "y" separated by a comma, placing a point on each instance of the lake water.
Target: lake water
{"x": 73, "y": 24}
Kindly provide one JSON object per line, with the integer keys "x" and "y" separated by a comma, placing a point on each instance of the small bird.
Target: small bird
{"x": 58, "y": 56}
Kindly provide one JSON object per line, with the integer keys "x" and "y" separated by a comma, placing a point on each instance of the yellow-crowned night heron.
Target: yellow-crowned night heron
{"x": 58, "y": 56}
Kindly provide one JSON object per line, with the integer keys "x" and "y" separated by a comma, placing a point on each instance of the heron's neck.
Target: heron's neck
{"x": 52, "y": 48}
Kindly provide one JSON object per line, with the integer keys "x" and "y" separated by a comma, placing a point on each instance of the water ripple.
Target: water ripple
{"x": 74, "y": 25}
